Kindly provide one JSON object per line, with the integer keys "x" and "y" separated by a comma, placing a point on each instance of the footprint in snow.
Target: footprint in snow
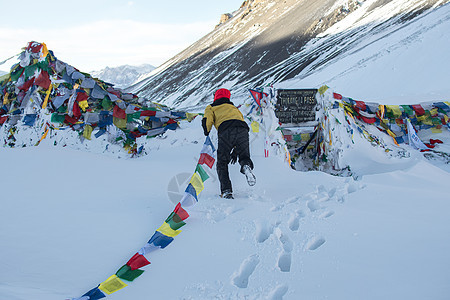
{"x": 263, "y": 230}
{"x": 314, "y": 243}
{"x": 326, "y": 214}
{"x": 248, "y": 266}
{"x": 278, "y": 292}
{"x": 294, "y": 220}
{"x": 285, "y": 257}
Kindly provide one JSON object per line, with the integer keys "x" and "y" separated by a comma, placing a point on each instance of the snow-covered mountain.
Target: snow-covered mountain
{"x": 123, "y": 76}
{"x": 269, "y": 42}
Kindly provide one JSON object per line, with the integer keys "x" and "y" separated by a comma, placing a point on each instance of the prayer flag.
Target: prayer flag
{"x": 126, "y": 273}
{"x": 257, "y": 96}
{"x": 87, "y": 131}
{"x": 255, "y": 126}
{"x": 188, "y": 200}
{"x": 112, "y": 284}
{"x": 418, "y": 109}
{"x": 166, "y": 230}
{"x": 197, "y": 183}
{"x": 43, "y": 80}
{"x": 413, "y": 139}
{"x": 181, "y": 212}
{"x": 137, "y": 261}
{"x": 175, "y": 221}
{"x": 160, "y": 240}
{"x": 191, "y": 190}
{"x": 206, "y": 159}
{"x": 119, "y": 113}
{"x": 94, "y": 294}
{"x": 199, "y": 169}
{"x": 209, "y": 143}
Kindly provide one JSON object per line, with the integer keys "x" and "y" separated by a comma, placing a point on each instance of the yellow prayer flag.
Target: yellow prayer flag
{"x": 42, "y": 137}
{"x": 44, "y": 50}
{"x": 83, "y": 105}
{"x": 167, "y": 230}
{"x": 446, "y": 119}
{"x": 197, "y": 183}
{"x": 5, "y": 99}
{"x": 323, "y": 89}
{"x": 87, "y": 132}
{"x": 436, "y": 130}
{"x": 391, "y": 133}
{"x": 44, "y": 105}
{"x": 305, "y": 136}
{"x": 434, "y": 111}
{"x": 120, "y": 123}
{"x": 190, "y": 116}
{"x": 394, "y": 110}
{"x": 381, "y": 111}
{"x": 255, "y": 126}
{"x": 112, "y": 284}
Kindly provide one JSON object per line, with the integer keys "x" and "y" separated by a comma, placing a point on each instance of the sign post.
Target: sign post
{"x": 296, "y": 106}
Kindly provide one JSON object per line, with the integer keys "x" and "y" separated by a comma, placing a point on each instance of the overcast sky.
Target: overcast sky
{"x": 91, "y": 35}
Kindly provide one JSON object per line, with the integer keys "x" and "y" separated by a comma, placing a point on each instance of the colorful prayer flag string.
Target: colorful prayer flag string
{"x": 163, "y": 236}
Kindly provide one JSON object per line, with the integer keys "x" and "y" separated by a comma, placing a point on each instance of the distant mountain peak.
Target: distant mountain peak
{"x": 123, "y": 76}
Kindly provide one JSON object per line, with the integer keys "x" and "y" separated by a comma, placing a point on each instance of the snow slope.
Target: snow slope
{"x": 70, "y": 219}
{"x": 402, "y": 64}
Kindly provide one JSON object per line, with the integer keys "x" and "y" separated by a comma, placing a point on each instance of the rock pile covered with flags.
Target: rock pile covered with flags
{"x": 47, "y": 95}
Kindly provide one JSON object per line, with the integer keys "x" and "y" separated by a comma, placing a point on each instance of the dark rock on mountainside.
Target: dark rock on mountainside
{"x": 269, "y": 41}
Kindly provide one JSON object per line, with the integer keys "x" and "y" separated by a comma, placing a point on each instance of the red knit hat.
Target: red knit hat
{"x": 222, "y": 93}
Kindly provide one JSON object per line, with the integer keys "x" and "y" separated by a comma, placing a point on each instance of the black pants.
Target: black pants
{"x": 234, "y": 137}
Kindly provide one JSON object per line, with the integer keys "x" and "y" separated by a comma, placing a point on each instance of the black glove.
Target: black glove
{"x": 233, "y": 156}
{"x": 205, "y": 131}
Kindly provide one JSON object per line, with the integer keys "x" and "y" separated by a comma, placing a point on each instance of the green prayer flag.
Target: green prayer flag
{"x": 30, "y": 70}
{"x": 175, "y": 225}
{"x": 175, "y": 222}
{"x": 408, "y": 110}
{"x": 203, "y": 175}
{"x": 126, "y": 273}
{"x": 57, "y": 118}
{"x": 106, "y": 103}
{"x": 132, "y": 117}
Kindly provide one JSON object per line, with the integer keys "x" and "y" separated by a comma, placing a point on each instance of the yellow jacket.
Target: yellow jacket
{"x": 222, "y": 112}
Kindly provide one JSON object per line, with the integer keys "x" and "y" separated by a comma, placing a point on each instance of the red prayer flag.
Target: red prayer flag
{"x": 26, "y": 85}
{"x": 418, "y": 109}
{"x": 43, "y": 80}
{"x": 257, "y": 96}
{"x": 137, "y": 261}
{"x": 119, "y": 113}
{"x": 81, "y": 96}
{"x": 3, "y": 119}
{"x": 76, "y": 110}
{"x": 148, "y": 113}
{"x": 337, "y": 96}
{"x": 181, "y": 212}
{"x": 361, "y": 105}
{"x": 34, "y": 47}
{"x": 368, "y": 120}
{"x": 70, "y": 120}
{"x": 206, "y": 159}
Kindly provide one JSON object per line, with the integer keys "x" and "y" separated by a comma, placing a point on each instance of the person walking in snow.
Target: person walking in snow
{"x": 233, "y": 139}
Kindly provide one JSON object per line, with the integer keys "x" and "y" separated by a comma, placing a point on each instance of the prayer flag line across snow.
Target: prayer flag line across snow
{"x": 163, "y": 236}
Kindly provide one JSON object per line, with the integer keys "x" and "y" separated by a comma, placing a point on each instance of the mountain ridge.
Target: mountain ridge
{"x": 268, "y": 44}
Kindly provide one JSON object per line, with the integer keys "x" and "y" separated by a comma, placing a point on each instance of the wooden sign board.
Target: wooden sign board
{"x": 296, "y": 106}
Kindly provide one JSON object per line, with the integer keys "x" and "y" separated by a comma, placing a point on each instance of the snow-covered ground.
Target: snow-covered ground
{"x": 70, "y": 219}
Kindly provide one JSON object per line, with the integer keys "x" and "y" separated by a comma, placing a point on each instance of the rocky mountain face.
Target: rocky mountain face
{"x": 123, "y": 76}
{"x": 266, "y": 42}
